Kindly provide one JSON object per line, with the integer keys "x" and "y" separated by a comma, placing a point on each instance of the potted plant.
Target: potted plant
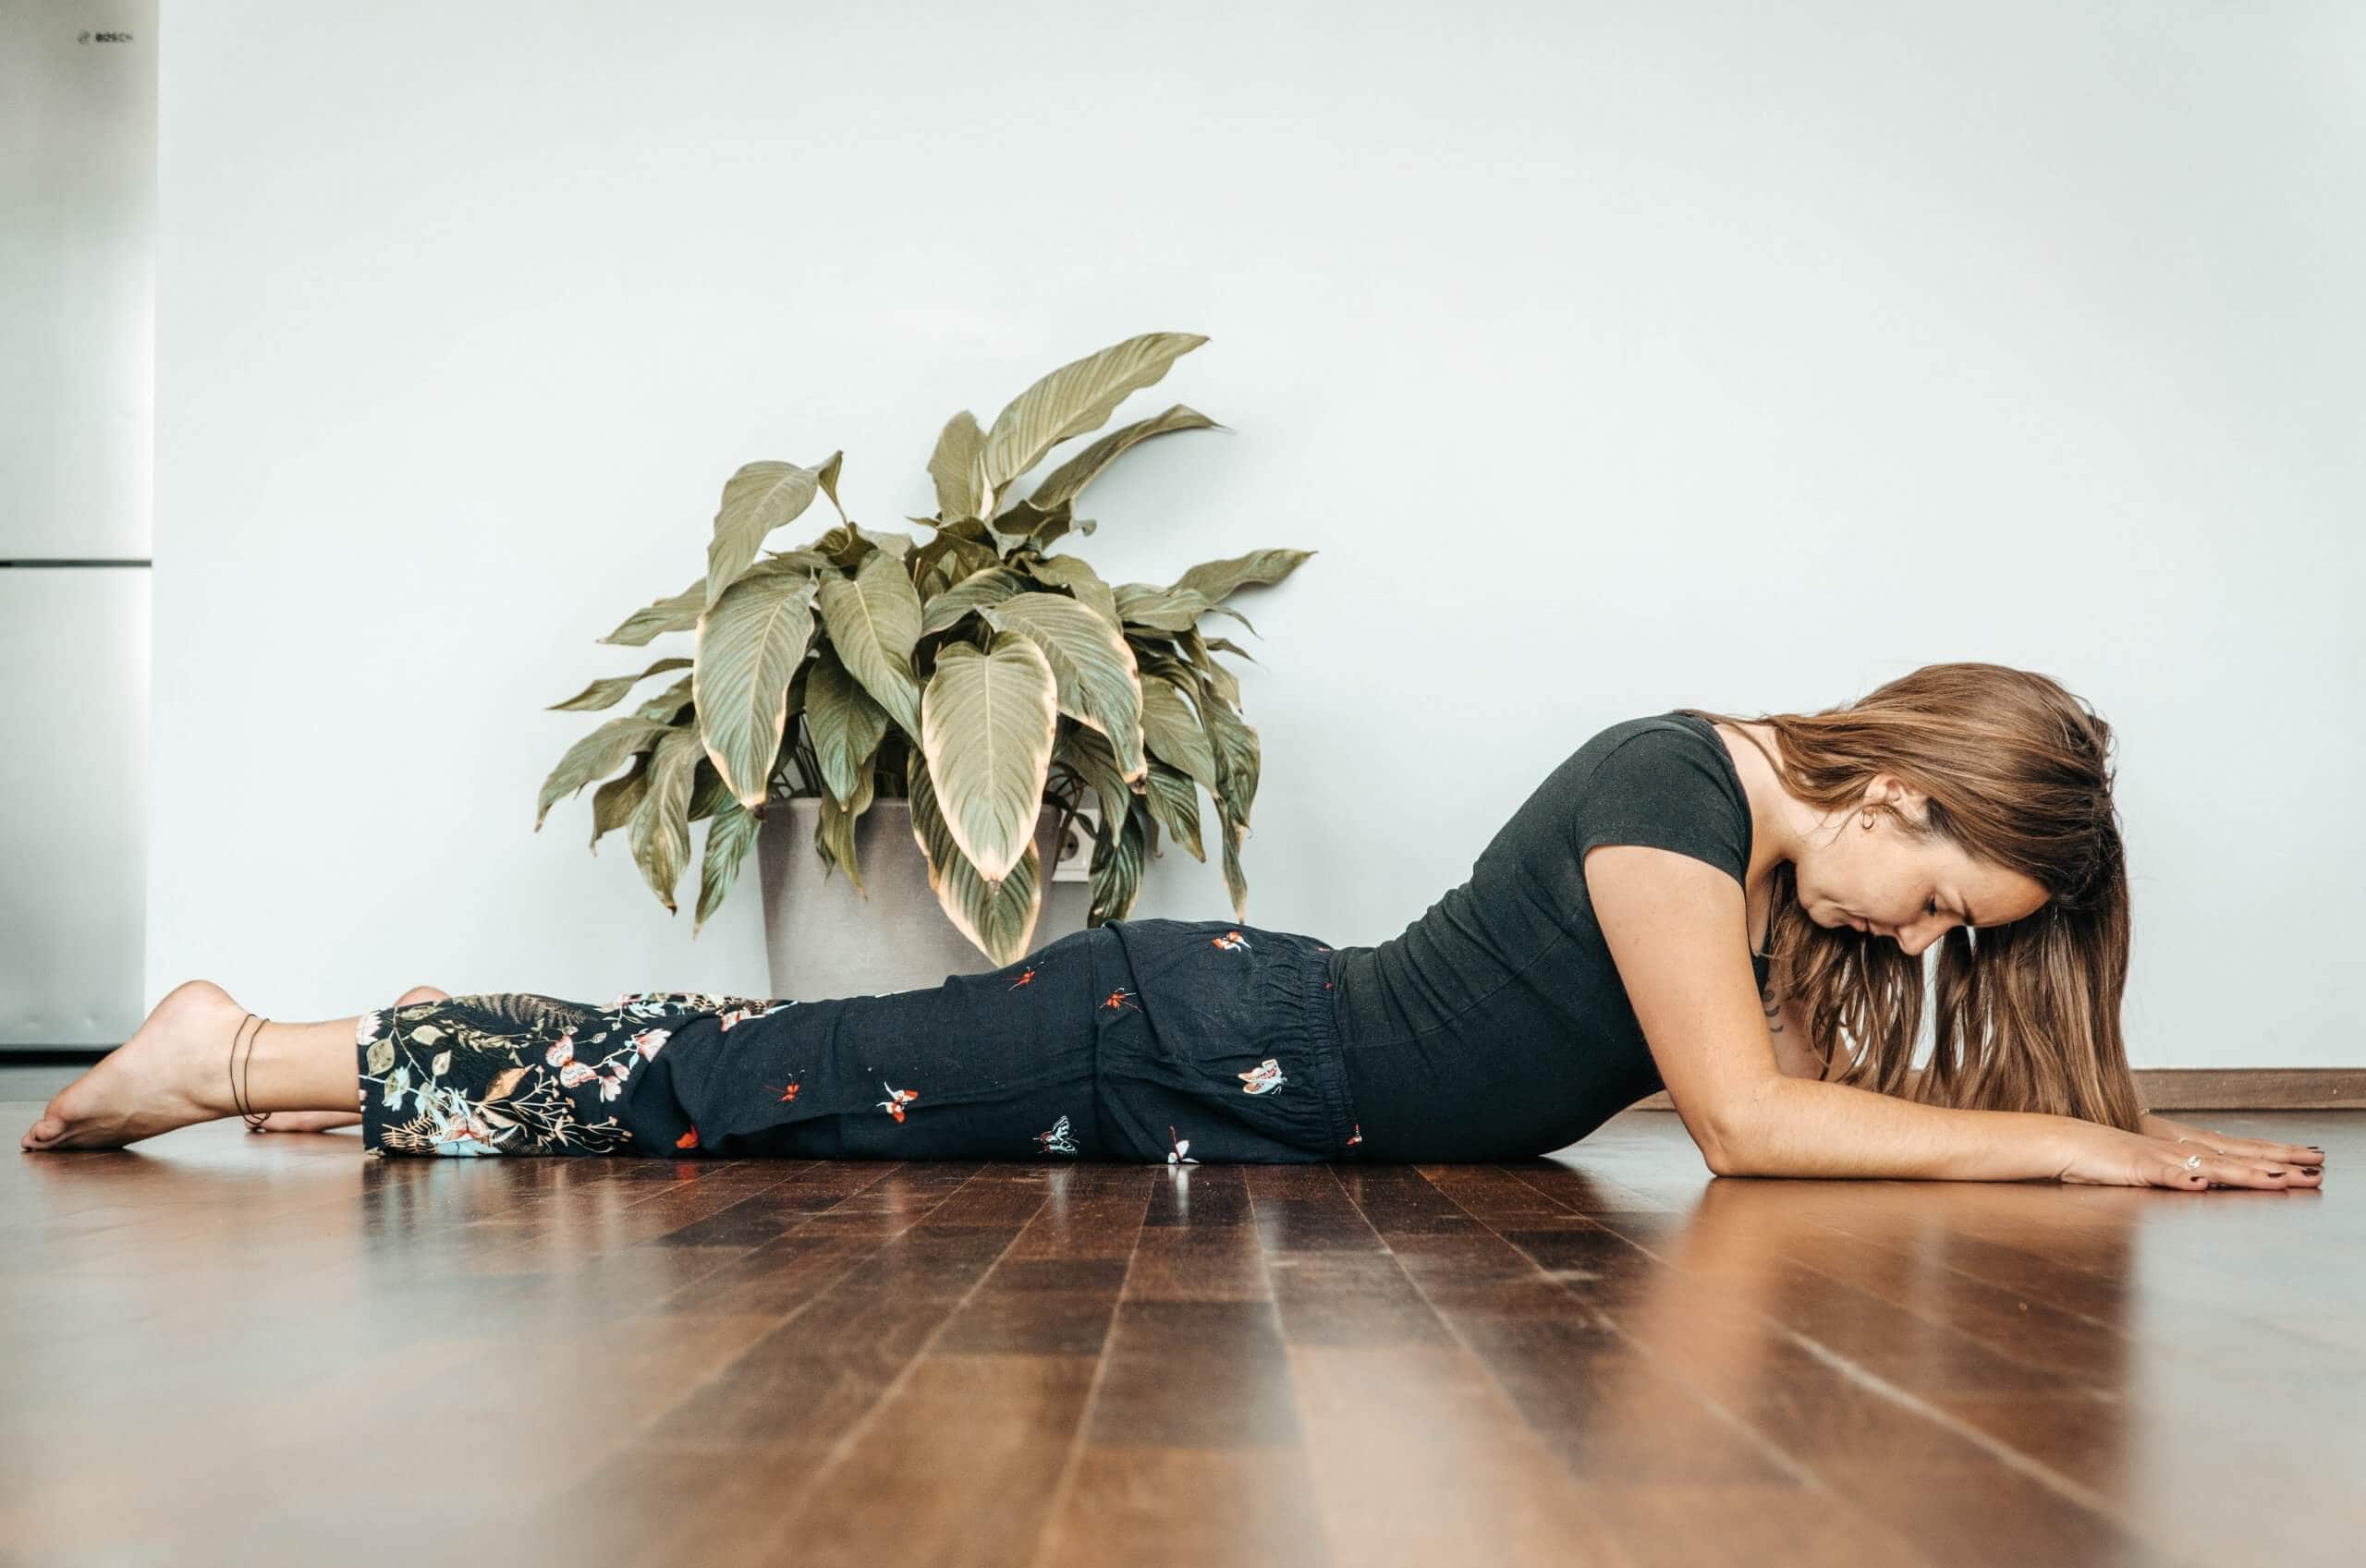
{"x": 977, "y": 681}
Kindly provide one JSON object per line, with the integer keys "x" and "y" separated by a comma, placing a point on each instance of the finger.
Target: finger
{"x": 2198, "y": 1172}
{"x": 2300, "y": 1152}
{"x": 2257, "y": 1150}
{"x": 2277, "y": 1173}
{"x": 2274, "y": 1153}
{"x": 2284, "y": 1154}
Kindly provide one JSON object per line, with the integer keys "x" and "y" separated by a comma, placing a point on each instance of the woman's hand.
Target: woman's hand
{"x": 2209, "y": 1142}
{"x": 2107, "y": 1157}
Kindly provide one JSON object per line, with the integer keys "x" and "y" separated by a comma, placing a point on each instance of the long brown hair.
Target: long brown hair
{"x": 2015, "y": 772}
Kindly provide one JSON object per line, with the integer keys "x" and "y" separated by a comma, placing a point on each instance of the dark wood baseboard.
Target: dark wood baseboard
{"x": 2223, "y": 1088}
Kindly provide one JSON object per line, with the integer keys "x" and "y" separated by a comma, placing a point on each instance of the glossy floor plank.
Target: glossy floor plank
{"x": 273, "y": 1349}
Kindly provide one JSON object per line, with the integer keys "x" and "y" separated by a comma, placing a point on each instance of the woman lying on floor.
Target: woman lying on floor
{"x": 1735, "y": 911}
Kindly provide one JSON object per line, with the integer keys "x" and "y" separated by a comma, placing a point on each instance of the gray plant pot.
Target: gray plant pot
{"x": 824, "y": 939}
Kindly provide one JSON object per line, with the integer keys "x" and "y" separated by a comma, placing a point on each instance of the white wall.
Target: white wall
{"x": 1614, "y": 358}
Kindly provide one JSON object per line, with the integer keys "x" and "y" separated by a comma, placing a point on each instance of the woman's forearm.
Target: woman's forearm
{"x": 1803, "y": 1127}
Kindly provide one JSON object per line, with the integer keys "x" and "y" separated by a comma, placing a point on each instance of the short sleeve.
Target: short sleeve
{"x": 1664, "y": 788}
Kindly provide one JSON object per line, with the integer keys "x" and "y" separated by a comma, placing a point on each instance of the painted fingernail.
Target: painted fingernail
{"x": 2311, "y": 1169}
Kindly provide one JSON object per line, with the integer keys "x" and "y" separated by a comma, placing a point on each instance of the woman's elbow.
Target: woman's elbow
{"x": 1727, "y": 1146}
{"x": 1722, "y": 1161}
{"x": 1716, "y": 1151}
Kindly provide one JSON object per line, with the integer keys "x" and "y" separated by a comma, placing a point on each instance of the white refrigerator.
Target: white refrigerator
{"x": 77, "y": 223}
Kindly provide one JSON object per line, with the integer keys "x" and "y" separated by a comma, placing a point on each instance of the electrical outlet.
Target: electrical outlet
{"x": 1075, "y": 861}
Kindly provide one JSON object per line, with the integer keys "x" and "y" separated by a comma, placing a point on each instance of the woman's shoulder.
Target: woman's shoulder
{"x": 1674, "y": 733}
{"x": 1664, "y": 779}
{"x": 1675, "y": 721}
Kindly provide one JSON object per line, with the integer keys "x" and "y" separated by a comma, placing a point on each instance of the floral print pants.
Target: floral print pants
{"x": 1164, "y": 1040}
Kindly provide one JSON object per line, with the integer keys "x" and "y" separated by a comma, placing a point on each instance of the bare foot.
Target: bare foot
{"x": 173, "y": 1071}
{"x": 325, "y": 1121}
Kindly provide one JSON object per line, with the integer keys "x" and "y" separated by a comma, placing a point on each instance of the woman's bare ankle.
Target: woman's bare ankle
{"x": 300, "y": 1067}
{"x": 173, "y": 1071}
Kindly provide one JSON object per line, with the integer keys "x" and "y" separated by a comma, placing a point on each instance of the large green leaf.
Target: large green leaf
{"x": 827, "y": 476}
{"x": 790, "y": 710}
{"x": 1229, "y": 610}
{"x": 707, "y": 794}
{"x": 968, "y": 554}
{"x": 660, "y": 823}
{"x": 667, "y": 705}
{"x": 1075, "y": 399}
{"x": 874, "y": 620}
{"x": 899, "y": 545}
{"x": 792, "y": 561}
{"x": 842, "y": 546}
{"x": 1235, "y": 881}
{"x": 1212, "y": 580}
{"x": 834, "y": 829}
{"x": 845, "y": 725}
{"x": 1087, "y": 751}
{"x": 678, "y": 613}
{"x": 1039, "y": 527}
{"x": 758, "y": 499}
{"x": 986, "y": 728}
{"x": 1065, "y": 483}
{"x": 1173, "y": 799}
{"x": 595, "y": 757}
{"x": 1164, "y": 609}
{"x": 1068, "y": 572}
{"x": 937, "y": 563}
{"x": 1175, "y": 734}
{"x": 609, "y": 692}
{"x": 1210, "y": 673}
{"x": 1056, "y": 527}
{"x": 727, "y": 838}
{"x": 1239, "y": 758}
{"x": 613, "y": 803}
{"x": 988, "y": 587}
{"x": 1119, "y": 851}
{"x": 998, "y": 918}
{"x": 1022, "y": 517}
{"x": 958, "y": 466}
{"x": 749, "y": 646}
{"x": 1090, "y": 662}
{"x": 968, "y": 530}
{"x": 1231, "y": 743}
{"x": 960, "y": 547}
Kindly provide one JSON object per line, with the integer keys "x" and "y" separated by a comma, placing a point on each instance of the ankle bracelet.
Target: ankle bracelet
{"x": 245, "y": 1106}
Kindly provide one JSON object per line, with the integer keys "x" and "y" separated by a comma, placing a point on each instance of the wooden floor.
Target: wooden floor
{"x": 221, "y": 1347}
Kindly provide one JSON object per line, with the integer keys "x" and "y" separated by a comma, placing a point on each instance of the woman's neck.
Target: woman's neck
{"x": 1773, "y": 829}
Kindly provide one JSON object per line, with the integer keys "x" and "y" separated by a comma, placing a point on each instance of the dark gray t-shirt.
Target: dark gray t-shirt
{"x": 1496, "y": 1026}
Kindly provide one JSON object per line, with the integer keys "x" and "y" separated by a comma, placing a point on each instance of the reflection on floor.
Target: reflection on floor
{"x": 274, "y": 1349}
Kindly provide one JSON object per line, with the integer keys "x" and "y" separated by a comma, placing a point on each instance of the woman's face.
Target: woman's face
{"x": 1881, "y": 882}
